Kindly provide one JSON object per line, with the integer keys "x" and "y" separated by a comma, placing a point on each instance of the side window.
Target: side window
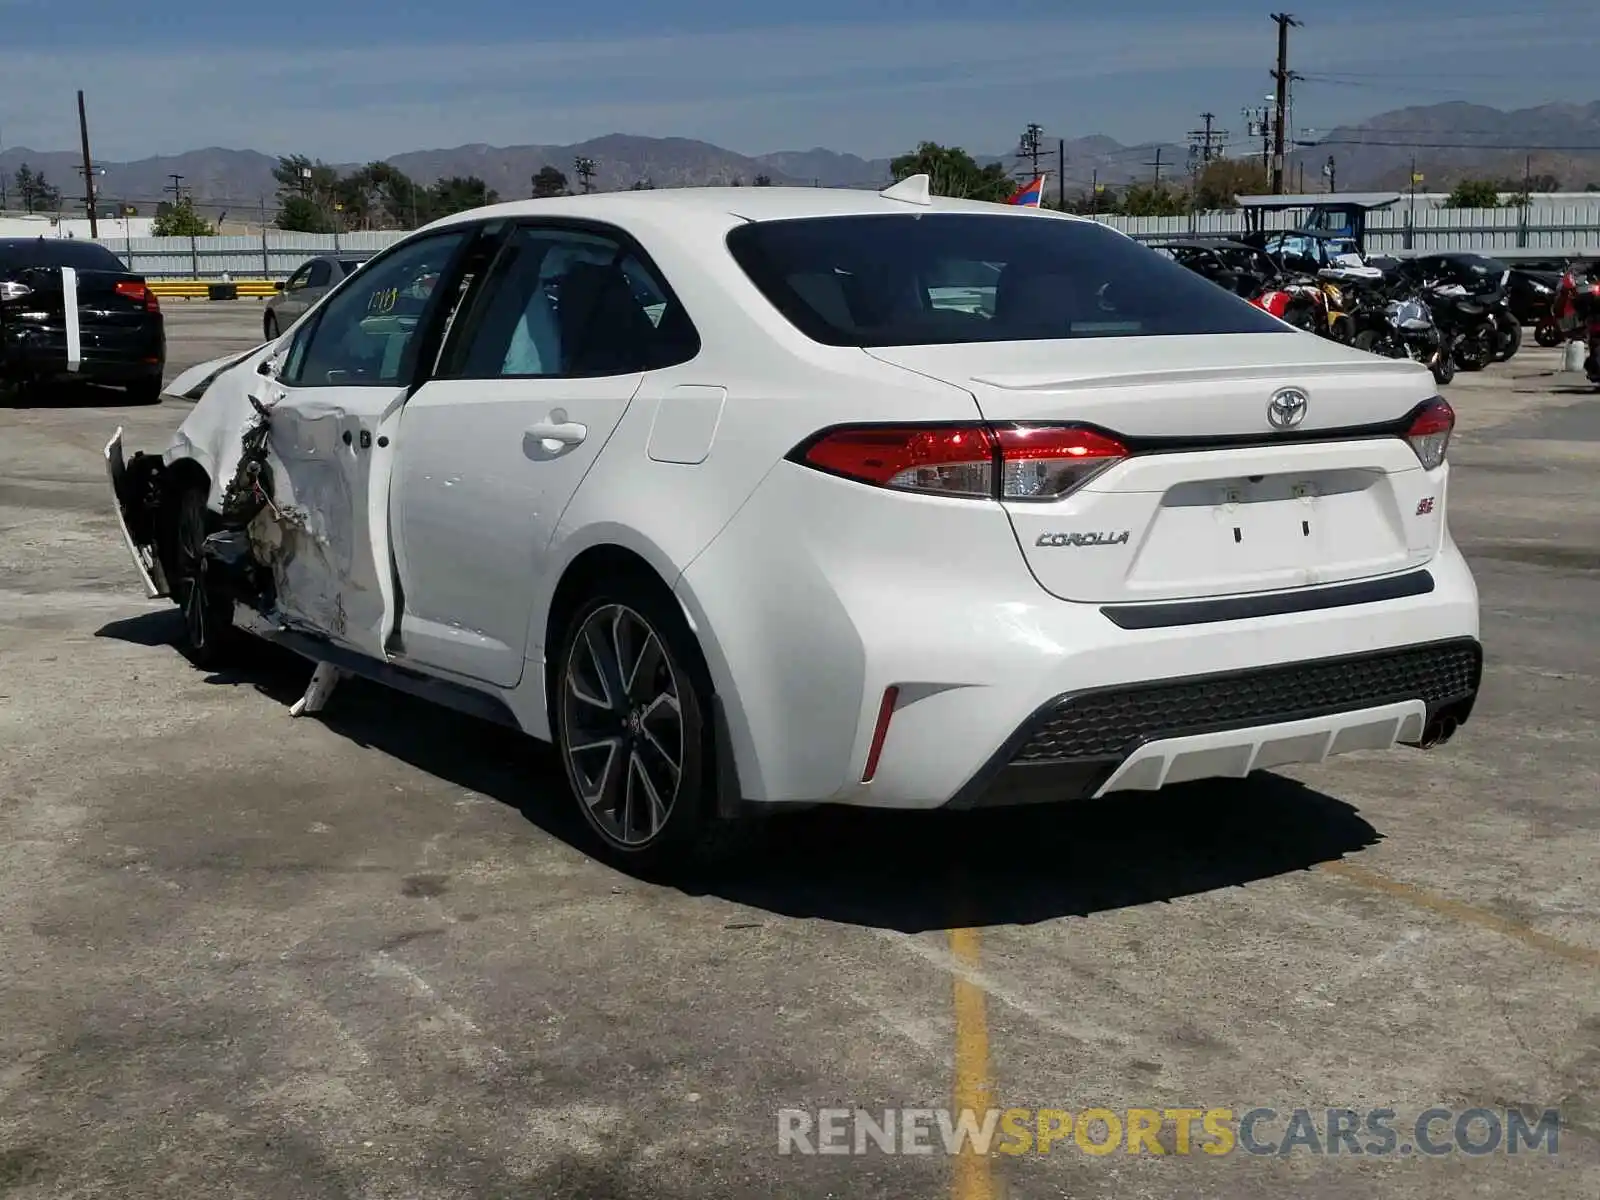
{"x": 298, "y": 279}
{"x": 562, "y": 303}
{"x": 321, "y": 273}
{"x": 367, "y": 331}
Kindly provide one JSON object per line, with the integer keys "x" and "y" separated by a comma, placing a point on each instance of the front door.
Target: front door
{"x": 335, "y": 411}
{"x": 540, "y": 367}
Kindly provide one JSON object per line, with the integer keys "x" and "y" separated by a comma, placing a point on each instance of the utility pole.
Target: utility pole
{"x": 1157, "y": 165}
{"x": 1256, "y": 124}
{"x": 176, "y": 189}
{"x": 1030, "y": 144}
{"x": 1061, "y": 172}
{"x": 1094, "y": 193}
{"x": 585, "y": 170}
{"x": 1331, "y": 170}
{"x": 1282, "y": 75}
{"x": 88, "y": 169}
{"x": 1207, "y": 143}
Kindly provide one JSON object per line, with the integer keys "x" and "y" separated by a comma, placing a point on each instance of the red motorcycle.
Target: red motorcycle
{"x": 1575, "y": 313}
{"x": 1296, "y": 299}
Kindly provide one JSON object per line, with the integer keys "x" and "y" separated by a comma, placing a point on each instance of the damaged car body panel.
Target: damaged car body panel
{"x": 282, "y": 441}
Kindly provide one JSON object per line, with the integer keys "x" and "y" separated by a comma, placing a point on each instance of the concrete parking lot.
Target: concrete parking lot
{"x": 367, "y": 955}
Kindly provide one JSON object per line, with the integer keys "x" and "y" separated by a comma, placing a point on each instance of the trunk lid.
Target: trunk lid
{"x": 1214, "y": 501}
{"x": 99, "y": 302}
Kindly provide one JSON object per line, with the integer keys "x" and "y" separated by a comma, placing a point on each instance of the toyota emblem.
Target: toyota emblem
{"x": 1287, "y": 408}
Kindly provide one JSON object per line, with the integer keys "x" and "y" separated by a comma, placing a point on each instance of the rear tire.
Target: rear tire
{"x": 208, "y": 633}
{"x": 1444, "y": 370}
{"x": 631, "y": 705}
{"x": 1547, "y": 335}
{"x": 1475, "y": 351}
{"x": 1511, "y": 341}
{"x": 269, "y": 327}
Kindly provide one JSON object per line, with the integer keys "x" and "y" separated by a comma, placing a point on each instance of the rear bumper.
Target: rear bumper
{"x": 1145, "y": 736}
{"x": 809, "y": 606}
{"x": 116, "y": 355}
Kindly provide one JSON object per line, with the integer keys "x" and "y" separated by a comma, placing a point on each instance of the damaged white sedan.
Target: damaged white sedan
{"x": 767, "y": 497}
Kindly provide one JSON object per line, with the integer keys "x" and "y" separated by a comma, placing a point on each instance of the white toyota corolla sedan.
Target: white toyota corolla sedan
{"x": 759, "y": 497}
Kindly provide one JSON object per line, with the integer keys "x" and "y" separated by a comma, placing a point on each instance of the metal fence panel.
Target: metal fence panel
{"x": 273, "y": 255}
{"x": 1565, "y": 225}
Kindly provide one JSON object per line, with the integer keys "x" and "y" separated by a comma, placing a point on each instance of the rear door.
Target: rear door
{"x": 539, "y": 370}
{"x": 335, "y": 411}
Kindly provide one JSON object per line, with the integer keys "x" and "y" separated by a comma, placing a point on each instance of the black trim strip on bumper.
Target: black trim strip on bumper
{"x": 1268, "y": 604}
{"x": 1012, "y": 776}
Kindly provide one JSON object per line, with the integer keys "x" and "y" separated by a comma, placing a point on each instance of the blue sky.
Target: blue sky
{"x": 357, "y": 79}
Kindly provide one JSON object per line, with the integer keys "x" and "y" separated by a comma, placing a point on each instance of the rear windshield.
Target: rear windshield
{"x": 926, "y": 279}
{"x": 17, "y": 254}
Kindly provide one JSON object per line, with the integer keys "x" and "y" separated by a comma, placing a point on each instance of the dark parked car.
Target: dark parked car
{"x": 311, "y": 281}
{"x": 1241, "y": 269}
{"x": 69, "y": 310}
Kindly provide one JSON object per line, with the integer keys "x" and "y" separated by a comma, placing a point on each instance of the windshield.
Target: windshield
{"x": 17, "y": 254}
{"x": 926, "y": 279}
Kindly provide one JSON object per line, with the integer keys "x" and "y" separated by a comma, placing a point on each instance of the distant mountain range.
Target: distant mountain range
{"x": 1458, "y": 140}
{"x": 1449, "y": 141}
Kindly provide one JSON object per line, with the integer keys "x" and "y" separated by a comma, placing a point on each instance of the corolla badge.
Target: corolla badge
{"x": 1287, "y": 408}
{"x": 1082, "y": 539}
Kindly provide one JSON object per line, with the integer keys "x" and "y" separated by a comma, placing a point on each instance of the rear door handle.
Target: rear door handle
{"x": 566, "y": 433}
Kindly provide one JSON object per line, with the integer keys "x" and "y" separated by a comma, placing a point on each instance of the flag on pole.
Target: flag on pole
{"x": 1029, "y": 195}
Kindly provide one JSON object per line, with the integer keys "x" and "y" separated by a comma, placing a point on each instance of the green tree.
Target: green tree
{"x": 763, "y": 181}
{"x": 953, "y": 172}
{"x": 1225, "y": 178}
{"x": 550, "y": 181}
{"x": 36, "y": 192}
{"x": 301, "y": 214}
{"x": 402, "y": 203}
{"x": 459, "y": 193}
{"x": 180, "y": 220}
{"x": 642, "y": 185}
{"x": 1474, "y": 193}
{"x": 1154, "y": 200}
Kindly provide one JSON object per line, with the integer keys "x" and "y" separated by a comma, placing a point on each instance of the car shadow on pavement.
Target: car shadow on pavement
{"x": 914, "y": 872}
{"x": 910, "y": 872}
{"x": 82, "y": 395}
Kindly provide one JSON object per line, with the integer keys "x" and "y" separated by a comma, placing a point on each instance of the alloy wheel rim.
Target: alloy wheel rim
{"x": 624, "y": 743}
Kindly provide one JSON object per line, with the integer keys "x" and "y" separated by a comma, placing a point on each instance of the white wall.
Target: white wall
{"x": 77, "y": 227}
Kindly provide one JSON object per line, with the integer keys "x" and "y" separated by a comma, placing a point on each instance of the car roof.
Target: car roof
{"x": 656, "y": 205}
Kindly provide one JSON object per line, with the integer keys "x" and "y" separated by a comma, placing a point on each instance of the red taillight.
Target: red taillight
{"x": 1430, "y": 431}
{"x": 956, "y": 460}
{"x": 1014, "y": 462}
{"x": 879, "y": 732}
{"x": 139, "y": 293}
{"x": 1041, "y": 462}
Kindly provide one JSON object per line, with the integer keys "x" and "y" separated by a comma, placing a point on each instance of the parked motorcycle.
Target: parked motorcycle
{"x": 1466, "y": 322}
{"x": 1467, "y": 295}
{"x": 1576, "y": 313}
{"x": 1396, "y": 322}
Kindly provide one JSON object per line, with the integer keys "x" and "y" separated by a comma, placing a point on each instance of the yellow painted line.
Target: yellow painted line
{"x": 1466, "y": 913}
{"x": 973, "y": 1086}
